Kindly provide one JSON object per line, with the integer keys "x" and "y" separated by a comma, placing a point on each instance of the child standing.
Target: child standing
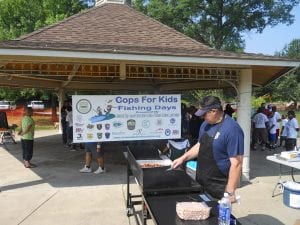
{"x": 272, "y": 130}
{"x": 283, "y": 130}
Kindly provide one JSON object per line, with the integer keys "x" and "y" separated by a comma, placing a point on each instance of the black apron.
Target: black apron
{"x": 208, "y": 174}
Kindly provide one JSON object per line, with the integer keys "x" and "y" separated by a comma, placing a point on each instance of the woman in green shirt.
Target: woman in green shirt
{"x": 27, "y": 133}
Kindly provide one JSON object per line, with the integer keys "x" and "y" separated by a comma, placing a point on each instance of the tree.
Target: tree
{"x": 219, "y": 23}
{"x": 288, "y": 84}
{"x": 291, "y": 50}
{"x": 57, "y": 10}
{"x": 19, "y": 17}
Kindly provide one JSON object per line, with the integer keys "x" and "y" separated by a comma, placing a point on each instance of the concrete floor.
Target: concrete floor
{"x": 56, "y": 193}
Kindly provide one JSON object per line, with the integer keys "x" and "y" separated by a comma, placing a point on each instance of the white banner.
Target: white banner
{"x": 126, "y": 117}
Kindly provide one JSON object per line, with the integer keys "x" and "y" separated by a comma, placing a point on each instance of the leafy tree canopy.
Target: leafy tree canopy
{"x": 288, "y": 84}
{"x": 19, "y": 17}
{"x": 219, "y": 23}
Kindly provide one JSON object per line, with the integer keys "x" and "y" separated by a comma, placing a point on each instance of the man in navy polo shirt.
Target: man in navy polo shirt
{"x": 219, "y": 150}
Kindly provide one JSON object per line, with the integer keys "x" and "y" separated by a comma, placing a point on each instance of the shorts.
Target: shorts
{"x": 290, "y": 144}
{"x": 272, "y": 137}
{"x": 92, "y": 148}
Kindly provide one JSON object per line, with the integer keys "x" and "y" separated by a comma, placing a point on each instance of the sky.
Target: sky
{"x": 273, "y": 39}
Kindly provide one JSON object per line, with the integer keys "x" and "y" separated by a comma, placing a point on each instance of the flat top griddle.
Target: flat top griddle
{"x": 163, "y": 209}
{"x": 157, "y": 180}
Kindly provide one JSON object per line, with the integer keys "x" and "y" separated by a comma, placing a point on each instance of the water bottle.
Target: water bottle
{"x": 224, "y": 210}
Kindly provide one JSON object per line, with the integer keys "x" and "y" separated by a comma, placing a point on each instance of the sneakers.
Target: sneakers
{"x": 99, "y": 170}
{"x": 85, "y": 169}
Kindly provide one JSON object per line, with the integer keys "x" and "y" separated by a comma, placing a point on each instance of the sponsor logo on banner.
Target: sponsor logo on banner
{"x": 84, "y": 106}
{"x": 167, "y": 132}
{"x": 117, "y": 124}
{"x": 175, "y": 132}
{"x": 172, "y": 121}
{"x": 159, "y": 122}
{"x": 90, "y": 126}
{"x": 107, "y": 135}
{"x": 145, "y": 123}
{"x": 99, "y": 135}
{"x": 131, "y": 124}
{"x": 79, "y": 137}
{"x": 90, "y": 136}
{"x": 139, "y": 132}
{"x": 160, "y": 130}
{"x": 79, "y": 124}
{"x": 78, "y": 130}
{"x": 107, "y": 126}
{"x": 79, "y": 118}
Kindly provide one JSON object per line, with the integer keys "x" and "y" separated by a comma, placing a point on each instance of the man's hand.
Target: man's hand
{"x": 177, "y": 162}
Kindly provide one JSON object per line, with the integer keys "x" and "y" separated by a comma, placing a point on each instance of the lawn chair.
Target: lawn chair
{"x": 7, "y": 133}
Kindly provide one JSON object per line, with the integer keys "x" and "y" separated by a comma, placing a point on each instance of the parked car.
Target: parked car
{"x": 7, "y": 105}
{"x": 36, "y": 105}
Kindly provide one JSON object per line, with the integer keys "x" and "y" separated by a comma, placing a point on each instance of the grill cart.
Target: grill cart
{"x": 161, "y": 188}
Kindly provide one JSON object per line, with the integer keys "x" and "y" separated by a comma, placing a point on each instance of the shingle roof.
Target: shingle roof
{"x": 117, "y": 28}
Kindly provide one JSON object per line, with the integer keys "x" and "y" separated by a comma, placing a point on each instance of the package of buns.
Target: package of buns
{"x": 192, "y": 210}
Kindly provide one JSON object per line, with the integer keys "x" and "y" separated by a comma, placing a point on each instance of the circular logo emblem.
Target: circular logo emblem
{"x": 172, "y": 120}
{"x": 167, "y": 132}
{"x": 83, "y": 106}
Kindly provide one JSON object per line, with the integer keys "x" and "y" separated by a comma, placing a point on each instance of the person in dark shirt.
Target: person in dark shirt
{"x": 195, "y": 123}
{"x": 64, "y": 125}
{"x": 219, "y": 151}
{"x": 229, "y": 110}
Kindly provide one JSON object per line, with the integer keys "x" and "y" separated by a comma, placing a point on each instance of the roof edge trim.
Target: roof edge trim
{"x": 149, "y": 58}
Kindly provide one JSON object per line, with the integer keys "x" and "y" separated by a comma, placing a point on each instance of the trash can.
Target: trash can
{"x": 291, "y": 194}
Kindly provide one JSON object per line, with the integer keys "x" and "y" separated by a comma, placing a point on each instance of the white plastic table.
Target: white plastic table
{"x": 293, "y": 165}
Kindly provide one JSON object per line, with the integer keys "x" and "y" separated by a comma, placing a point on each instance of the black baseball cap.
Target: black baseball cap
{"x": 208, "y": 103}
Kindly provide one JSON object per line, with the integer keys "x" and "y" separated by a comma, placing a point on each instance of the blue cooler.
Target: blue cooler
{"x": 291, "y": 194}
{"x": 191, "y": 167}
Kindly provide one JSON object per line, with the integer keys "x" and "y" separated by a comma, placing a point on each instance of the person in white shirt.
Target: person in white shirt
{"x": 292, "y": 129}
{"x": 259, "y": 122}
{"x": 272, "y": 130}
{"x": 69, "y": 120}
{"x": 277, "y": 120}
{"x": 283, "y": 130}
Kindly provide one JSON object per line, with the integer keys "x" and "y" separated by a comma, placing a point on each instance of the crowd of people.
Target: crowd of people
{"x": 266, "y": 130}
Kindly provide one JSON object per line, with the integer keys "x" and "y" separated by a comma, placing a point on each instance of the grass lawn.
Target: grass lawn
{"x": 42, "y": 121}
